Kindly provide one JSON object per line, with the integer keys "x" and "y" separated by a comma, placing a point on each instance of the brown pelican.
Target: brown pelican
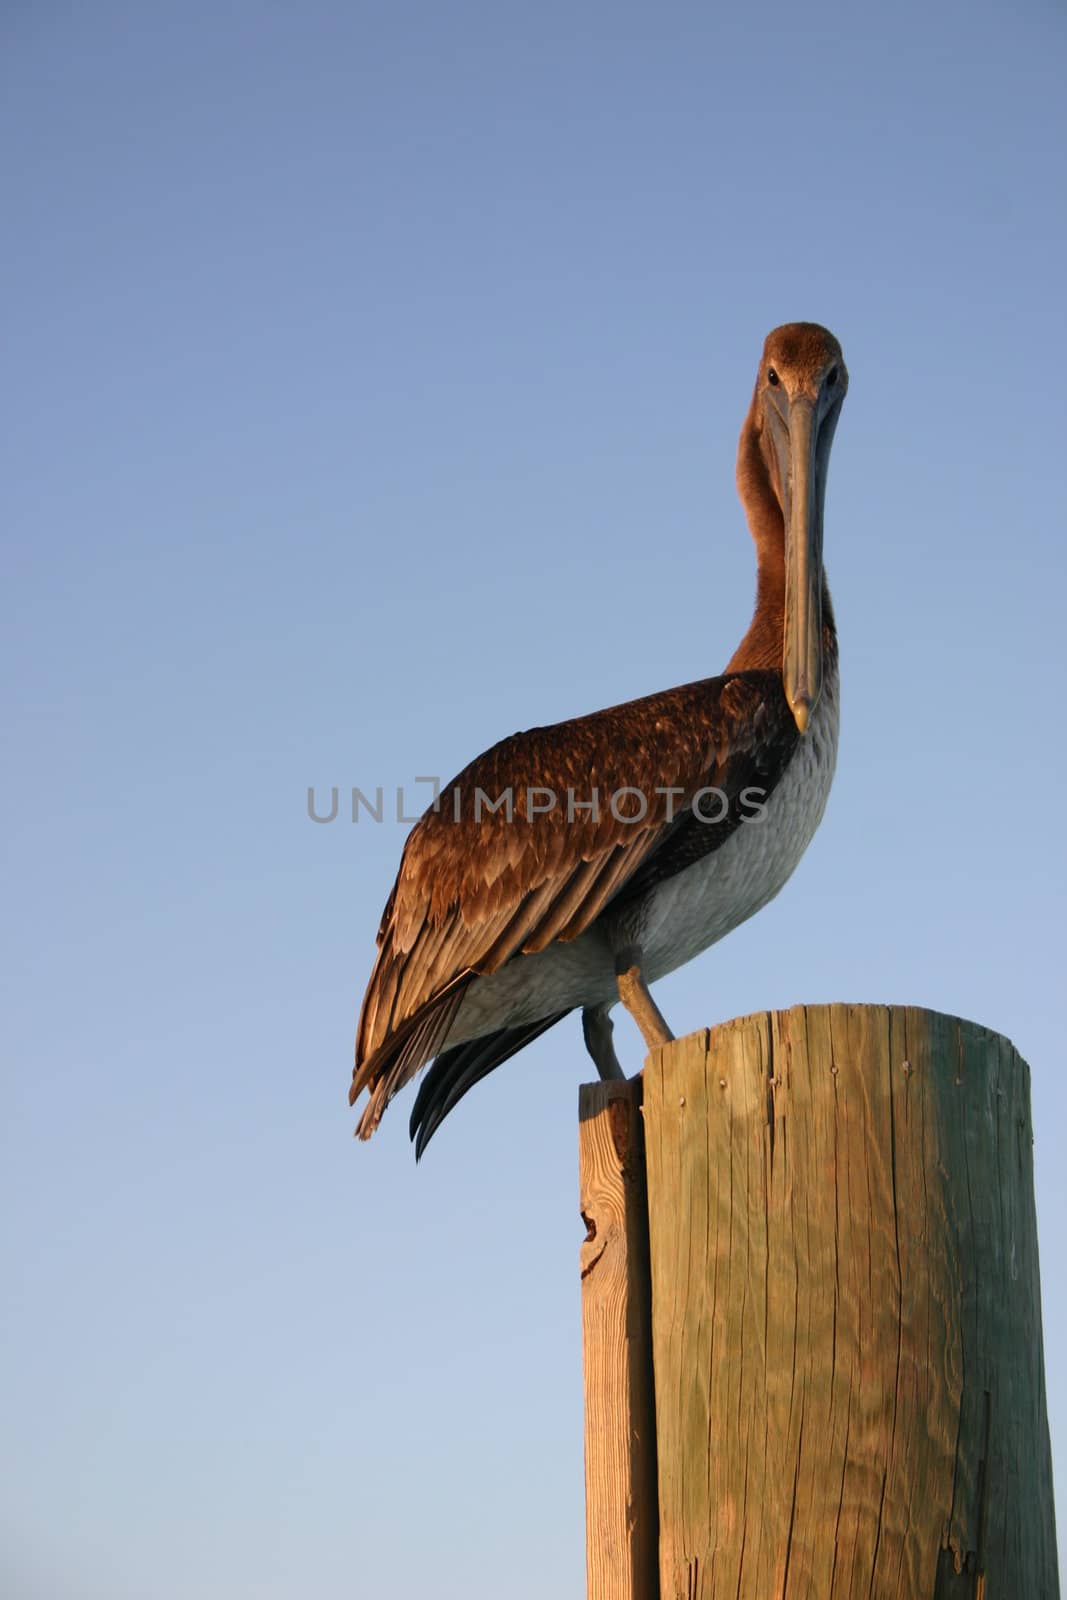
{"x": 570, "y": 866}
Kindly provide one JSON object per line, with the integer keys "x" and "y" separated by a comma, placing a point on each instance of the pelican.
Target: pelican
{"x": 571, "y": 866}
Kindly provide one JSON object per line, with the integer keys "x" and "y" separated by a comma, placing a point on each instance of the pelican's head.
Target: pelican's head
{"x": 801, "y": 385}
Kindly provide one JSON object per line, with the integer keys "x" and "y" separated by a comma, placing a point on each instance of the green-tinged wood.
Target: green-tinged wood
{"x": 620, "y": 1442}
{"x": 849, "y": 1378}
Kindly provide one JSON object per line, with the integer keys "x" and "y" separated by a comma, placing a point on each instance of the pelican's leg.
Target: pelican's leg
{"x": 598, "y": 1028}
{"x": 635, "y": 996}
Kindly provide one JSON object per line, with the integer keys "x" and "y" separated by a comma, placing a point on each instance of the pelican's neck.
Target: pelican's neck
{"x": 762, "y": 645}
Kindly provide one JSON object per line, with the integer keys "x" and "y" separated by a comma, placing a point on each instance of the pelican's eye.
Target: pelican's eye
{"x": 832, "y": 377}
{"x": 772, "y": 377}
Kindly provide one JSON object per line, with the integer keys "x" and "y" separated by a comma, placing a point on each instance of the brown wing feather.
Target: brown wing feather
{"x": 476, "y": 888}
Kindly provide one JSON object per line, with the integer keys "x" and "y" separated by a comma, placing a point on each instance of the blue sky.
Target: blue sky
{"x": 373, "y": 381}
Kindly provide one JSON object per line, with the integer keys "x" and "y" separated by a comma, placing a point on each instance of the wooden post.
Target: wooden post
{"x": 846, "y": 1314}
{"x": 620, "y": 1437}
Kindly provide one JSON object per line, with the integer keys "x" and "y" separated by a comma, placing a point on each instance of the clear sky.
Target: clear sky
{"x": 372, "y": 381}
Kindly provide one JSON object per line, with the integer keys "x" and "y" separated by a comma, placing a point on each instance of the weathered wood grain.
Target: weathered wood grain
{"x": 620, "y": 1440}
{"x": 846, "y": 1312}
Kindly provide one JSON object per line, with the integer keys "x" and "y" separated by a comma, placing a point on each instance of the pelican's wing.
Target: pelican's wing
{"x": 479, "y": 886}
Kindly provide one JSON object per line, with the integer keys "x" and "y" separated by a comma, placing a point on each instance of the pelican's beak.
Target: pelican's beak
{"x": 802, "y": 447}
{"x": 802, "y": 655}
